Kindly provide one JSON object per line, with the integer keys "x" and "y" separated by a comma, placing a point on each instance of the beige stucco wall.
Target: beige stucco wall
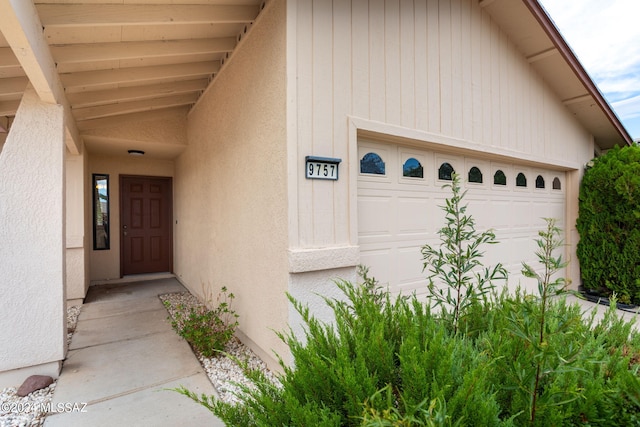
{"x": 231, "y": 185}
{"x": 105, "y": 264}
{"x": 32, "y": 232}
{"x": 76, "y": 253}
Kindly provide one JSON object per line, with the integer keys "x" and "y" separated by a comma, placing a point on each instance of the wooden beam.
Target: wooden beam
{"x": 8, "y": 58}
{"x": 134, "y": 106}
{"x": 66, "y": 15}
{"x": 78, "y": 53}
{"x": 9, "y": 108}
{"x": 101, "y": 97}
{"x": 542, "y": 55}
{"x": 13, "y": 86}
{"x": 92, "y": 80}
{"x": 21, "y": 27}
{"x": 114, "y": 121}
{"x": 578, "y": 99}
{"x": 485, "y": 3}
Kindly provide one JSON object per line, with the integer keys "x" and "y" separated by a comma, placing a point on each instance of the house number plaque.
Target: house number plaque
{"x": 321, "y": 167}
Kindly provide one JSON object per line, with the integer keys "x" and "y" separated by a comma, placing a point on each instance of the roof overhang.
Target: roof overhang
{"x": 533, "y": 32}
{"x": 111, "y": 63}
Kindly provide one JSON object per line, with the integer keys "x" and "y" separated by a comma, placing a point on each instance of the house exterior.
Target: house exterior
{"x": 244, "y": 111}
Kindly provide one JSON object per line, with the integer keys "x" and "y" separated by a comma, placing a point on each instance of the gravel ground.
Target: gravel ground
{"x": 223, "y": 371}
{"x": 27, "y": 411}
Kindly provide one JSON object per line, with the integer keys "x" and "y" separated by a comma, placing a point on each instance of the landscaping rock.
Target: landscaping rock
{"x": 33, "y": 383}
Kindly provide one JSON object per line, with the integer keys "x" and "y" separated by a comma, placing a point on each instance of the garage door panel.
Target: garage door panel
{"x": 412, "y": 215}
{"x": 376, "y": 215}
{"x": 499, "y": 214}
{"x": 409, "y": 264}
{"x": 380, "y": 263}
{"x": 398, "y": 215}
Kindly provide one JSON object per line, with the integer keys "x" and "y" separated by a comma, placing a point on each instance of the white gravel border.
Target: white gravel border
{"x": 223, "y": 371}
{"x": 16, "y": 411}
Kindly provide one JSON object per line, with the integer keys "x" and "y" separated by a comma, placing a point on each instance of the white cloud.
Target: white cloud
{"x": 605, "y": 36}
{"x": 628, "y": 108}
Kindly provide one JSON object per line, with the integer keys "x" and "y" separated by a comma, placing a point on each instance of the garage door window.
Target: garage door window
{"x": 499, "y": 178}
{"x": 445, "y": 172}
{"x": 521, "y": 180}
{"x": 372, "y": 163}
{"x": 556, "y": 184}
{"x": 475, "y": 175}
{"x": 412, "y": 168}
{"x": 539, "y": 182}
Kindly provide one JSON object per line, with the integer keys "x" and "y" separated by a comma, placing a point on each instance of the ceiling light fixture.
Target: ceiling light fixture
{"x": 136, "y": 152}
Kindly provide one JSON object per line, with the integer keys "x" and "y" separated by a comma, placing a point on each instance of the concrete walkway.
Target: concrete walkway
{"x": 123, "y": 357}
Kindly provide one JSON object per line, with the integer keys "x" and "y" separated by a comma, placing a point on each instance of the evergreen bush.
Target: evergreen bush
{"x": 609, "y": 225}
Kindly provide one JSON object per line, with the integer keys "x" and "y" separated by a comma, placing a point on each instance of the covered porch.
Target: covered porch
{"x": 94, "y": 94}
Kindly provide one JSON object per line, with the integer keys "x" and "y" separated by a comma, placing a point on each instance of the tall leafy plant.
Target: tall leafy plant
{"x": 531, "y": 323}
{"x": 457, "y": 277}
{"x": 609, "y": 224}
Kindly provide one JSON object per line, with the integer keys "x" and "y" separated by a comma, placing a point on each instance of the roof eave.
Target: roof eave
{"x": 556, "y": 38}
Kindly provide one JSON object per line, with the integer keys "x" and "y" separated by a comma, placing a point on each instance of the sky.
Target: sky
{"x": 605, "y": 36}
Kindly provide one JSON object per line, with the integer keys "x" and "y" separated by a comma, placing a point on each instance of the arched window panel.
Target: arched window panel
{"x": 475, "y": 175}
{"x": 539, "y": 181}
{"x": 521, "y": 180}
{"x": 412, "y": 168}
{"x": 499, "y": 178}
{"x": 372, "y": 163}
{"x": 556, "y": 184}
{"x": 445, "y": 172}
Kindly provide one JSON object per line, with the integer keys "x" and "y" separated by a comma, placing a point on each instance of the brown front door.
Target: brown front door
{"x": 146, "y": 225}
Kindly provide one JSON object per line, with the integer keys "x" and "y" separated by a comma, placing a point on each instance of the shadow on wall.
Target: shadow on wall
{"x": 4, "y": 131}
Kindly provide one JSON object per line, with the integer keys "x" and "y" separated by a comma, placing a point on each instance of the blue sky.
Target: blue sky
{"x": 605, "y": 36}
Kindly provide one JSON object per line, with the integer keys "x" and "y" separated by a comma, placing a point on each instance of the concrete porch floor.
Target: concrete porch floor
{"x": 123, "y": 358}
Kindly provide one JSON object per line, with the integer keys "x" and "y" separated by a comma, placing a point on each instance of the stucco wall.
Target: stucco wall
{"x": 76, "y": 253}
{"x": 231, "y": 182}
{"x": 105, "y": 264}
{"x": 32, "y": 232}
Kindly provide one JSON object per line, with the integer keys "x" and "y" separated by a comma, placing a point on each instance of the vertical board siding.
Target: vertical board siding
{"x": 342, "y": 84}
{"x": 437, "y": 66}
{"x": 421, "y": 64}
{"x": 407, "y": 64}
{"x": 433, "y": 74}
{"x": 305, "y": 58}
{"x": 323, "y": 95}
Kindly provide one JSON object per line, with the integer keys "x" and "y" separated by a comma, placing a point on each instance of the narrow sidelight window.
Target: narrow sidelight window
{"x": 100, "y": 211}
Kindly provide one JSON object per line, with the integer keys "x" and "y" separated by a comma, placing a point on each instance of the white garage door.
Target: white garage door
{"x": 399, "y": 197}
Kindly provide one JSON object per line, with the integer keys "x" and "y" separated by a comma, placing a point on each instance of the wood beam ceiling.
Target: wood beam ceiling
{"x": 90, "y": 15}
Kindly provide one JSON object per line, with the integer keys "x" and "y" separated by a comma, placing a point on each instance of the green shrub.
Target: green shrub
{"x": 609, "y": 224}
{"x": 374, "y": 347}
{"x": 207, "y": 330}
